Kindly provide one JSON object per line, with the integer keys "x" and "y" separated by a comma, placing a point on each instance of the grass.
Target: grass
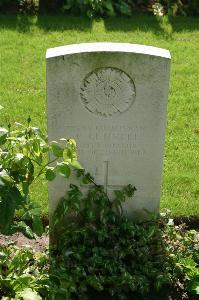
{"x": 24, "y": 41}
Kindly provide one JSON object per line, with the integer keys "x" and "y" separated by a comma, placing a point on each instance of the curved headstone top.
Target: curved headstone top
{"x": 107, "y": 47}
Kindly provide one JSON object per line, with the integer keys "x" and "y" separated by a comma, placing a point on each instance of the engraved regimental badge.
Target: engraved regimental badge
{"x": 107, "y": 91}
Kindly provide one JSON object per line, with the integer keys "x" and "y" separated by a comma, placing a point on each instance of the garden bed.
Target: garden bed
{"x": 38, "y": 244}
{"x": 47, "y": 278}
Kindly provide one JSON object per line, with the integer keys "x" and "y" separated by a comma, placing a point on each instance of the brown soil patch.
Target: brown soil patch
{"x": 38, "y": 244}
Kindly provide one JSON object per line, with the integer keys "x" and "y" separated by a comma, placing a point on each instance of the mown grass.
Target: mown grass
{"x": 24, "y": 41}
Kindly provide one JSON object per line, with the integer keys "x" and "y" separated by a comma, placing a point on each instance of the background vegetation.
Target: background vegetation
{"x": 93, "y": 8}
{"x": 24, "y": 41}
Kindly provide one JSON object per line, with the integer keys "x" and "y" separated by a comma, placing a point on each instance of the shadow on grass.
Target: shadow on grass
{"x": 159, "y": 26}
{"x": 143, "y": 23}
{"x": 187, "y": 24}
{"x": 62, "y": 23}
{"x": 23, "y": 23}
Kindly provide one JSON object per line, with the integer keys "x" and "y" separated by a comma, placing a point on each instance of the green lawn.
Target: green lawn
{"x": 24, "y": 41}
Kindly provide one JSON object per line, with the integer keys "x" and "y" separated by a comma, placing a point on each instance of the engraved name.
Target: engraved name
{"x": 115, "y": 139}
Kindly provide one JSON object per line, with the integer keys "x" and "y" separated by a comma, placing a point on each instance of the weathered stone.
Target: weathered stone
{"x": 112, "y": 99}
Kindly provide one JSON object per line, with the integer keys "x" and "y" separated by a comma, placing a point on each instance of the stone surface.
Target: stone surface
{"x": 112, "y": 98}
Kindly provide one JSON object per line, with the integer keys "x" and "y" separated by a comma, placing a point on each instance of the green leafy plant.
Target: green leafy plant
{"x": 96, "y": 206}
{"x": 100, "y": 253}
{"x": 174, "y": 7}
{"x": 29, "y": 7}
{"x": 100, "y": 249}
{"x": 101, "y": 8}
{"x": 23, "y": 273}
{"x": 96, "y": 8}
{"x": 103, "y": 252}
{"x": 191, "y": 269}
{"x": 183, "y": 247}
{"x": 158, "y": 9}
{"x": 23, "y": 151}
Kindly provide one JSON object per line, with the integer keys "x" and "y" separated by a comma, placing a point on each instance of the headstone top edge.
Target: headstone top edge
{"x": 107, "y": 47}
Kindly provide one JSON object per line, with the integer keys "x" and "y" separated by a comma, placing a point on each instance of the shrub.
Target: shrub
{"x": 157, "y": 259}
{"x": 97, "y": 8}
{"x": 23, "y": 156}
{"x": 29, "y": 7}
{"x": 180, "y": 7}
{"x": 9, "y": 6}
{"x": 50, "y": 6}
{"x": 101, "y": 8}
{"x": 100, "y": 251}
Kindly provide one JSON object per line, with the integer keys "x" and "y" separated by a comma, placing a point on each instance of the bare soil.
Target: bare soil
{"x": 39, "y": 244}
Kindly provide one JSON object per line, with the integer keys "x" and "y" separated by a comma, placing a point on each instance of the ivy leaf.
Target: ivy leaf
{"x": 25, "y": 229}
{"x": 10, "y": 200}
{"x": 36, "y": 147}
{"x": 57, "y": 150}
{"x": 72, "y": 142}
{"x": 129, "y": 190}
{"x": 67, "y": 155}
{"x": 50, "y": 174}
{"x": 63, "y": 169}
{"x": 22, "y": 280}
{"x": 16, "y": 196}
{"x": 76, "y": 165}
{"x": 4, "y": 177}
{"x": 7, "y": 210}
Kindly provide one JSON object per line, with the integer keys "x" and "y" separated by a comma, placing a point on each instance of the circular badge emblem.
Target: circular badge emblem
{"x": 107, "y": 91}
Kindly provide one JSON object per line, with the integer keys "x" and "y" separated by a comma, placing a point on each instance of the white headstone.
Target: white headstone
{"x": 112, "y": 99}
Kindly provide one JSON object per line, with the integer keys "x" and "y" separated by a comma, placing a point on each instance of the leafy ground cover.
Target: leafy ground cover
{"x": 24, "y": 41}
{"x": 104, "y": 256}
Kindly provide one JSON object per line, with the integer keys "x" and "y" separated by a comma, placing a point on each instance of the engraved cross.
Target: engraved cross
{"x": 105, "y": 181}
{"x": 106, "y": 173}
